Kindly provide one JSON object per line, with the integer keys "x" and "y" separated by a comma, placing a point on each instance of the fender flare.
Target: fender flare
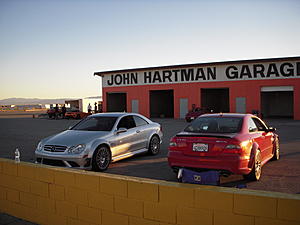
{"x": 276, "y": 137}
{"x": 255, "y": 148}
{"x": 97, "y": 144}
{"x": 150, "y": 136}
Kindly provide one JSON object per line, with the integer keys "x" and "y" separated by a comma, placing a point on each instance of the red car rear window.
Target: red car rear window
{"x": 215, "y": 125}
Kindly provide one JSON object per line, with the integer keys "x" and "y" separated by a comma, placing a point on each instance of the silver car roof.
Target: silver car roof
{"x": 120, "y": 114}
{"x": 113, "y": 114}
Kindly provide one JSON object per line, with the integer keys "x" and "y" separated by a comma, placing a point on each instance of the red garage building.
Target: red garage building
{"x": 271, "y": 86}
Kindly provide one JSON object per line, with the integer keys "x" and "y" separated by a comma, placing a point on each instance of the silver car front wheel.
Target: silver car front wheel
{"x": 101, "y": 159}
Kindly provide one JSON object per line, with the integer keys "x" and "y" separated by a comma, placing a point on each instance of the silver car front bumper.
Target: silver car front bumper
{"x": 78, "y": 161}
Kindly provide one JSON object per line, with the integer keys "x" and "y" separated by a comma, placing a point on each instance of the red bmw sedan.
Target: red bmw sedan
{"x": 230, "y": 143}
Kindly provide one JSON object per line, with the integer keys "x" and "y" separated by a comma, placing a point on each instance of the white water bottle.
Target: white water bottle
{"x": 17, "y": 155}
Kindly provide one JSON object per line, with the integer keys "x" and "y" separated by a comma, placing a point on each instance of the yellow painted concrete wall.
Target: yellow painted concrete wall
{"x": 54, "y": 196}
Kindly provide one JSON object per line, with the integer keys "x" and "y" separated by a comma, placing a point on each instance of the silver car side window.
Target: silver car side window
{"x": 139, "y": 121}
{"x": 126, "y": 122}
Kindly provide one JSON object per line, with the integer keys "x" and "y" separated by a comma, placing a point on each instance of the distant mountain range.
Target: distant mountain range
{"x": 35, "y": 101}
{"x": 32, "y": 101}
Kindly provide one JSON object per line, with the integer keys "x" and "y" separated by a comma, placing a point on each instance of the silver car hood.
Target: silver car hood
{"x": 74, "y": 137}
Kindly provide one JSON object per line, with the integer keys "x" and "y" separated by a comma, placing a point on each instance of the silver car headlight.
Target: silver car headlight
{"x": 39, "y": 147}
{"x": 76, "y": 149}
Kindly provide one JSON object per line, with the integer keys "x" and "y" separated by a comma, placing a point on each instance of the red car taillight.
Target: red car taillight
{"x": 177, "y": 144}
{"x": 238, "y": 147}
{"x": 172, "y": 144}
{"x": 232, "y": 148}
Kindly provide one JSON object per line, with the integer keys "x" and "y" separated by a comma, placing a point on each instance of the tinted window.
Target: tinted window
{"x": 251, "y": 126}
{"x": 139, "y": 121}
{"x": 96, "y": 124}
{"x": 215, "y": 125}
{"x": 126, "y": 122}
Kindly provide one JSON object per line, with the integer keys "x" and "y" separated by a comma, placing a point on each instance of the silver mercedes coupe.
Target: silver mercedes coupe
{"x": 100, "y": 139}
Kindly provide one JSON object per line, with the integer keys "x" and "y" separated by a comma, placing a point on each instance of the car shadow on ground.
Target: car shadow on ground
{"x": 238, "y": 182}
{"x": 137, "y": 165}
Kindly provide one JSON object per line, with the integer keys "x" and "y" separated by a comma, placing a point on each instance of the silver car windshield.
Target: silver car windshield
{"x": 96, "y": 124}
{"x": 215, "y": 125}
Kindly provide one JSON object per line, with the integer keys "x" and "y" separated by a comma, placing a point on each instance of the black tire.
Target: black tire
{"x": 78, "y": 117}
{"x": 276, "y": 153}
{"x": 255, "y": 173}
{"x": 101, "y": 159}
{"x": 154, "y": 145}
{"x": 50, "y": 116}
{"x": 175, "y": 169}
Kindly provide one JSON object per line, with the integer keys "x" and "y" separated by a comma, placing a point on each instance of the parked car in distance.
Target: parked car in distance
{"x": 51, "y": 112}
{"x": 229, "y": 143}
{"x": 100, "y": 139}
{"x": 76, "y": 114}
{"x": 190, "y": 116}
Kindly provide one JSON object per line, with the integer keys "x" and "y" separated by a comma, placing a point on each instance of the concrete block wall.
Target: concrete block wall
{"x": 57, "y": 196}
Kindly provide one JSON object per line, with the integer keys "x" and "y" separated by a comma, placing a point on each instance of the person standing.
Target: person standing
{"x": 56, "y": 111}
{"x": 95, "y": 107}
{"x": 193, "y": 107}
{"x": 89, "y": 108}
{"x": 63, "y": 111}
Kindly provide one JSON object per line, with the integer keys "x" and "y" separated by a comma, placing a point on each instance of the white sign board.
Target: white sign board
{"x": 230, "y": 72}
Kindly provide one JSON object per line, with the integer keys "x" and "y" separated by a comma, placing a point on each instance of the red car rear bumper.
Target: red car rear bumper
{"x": 235, "y": 164}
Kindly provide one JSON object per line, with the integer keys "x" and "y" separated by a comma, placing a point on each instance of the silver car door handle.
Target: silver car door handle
{"x": 138, "y": 131}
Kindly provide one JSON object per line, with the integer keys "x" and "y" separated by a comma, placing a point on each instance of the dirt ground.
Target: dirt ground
{"x": 24, "y": 131}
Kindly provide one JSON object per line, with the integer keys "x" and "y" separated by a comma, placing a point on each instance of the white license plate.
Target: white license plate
{"x": 200, "y": 147}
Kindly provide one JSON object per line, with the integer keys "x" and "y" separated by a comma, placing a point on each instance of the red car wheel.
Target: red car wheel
{"x": 255, "y": 173}
{"x": 276, "y": 154}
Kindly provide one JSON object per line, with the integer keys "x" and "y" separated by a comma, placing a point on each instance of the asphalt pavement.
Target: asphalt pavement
{"x": 279, "y": 176}
{"x": 6, "y": 219}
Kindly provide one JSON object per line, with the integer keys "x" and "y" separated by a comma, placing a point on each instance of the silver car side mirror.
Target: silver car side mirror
{"x": 121, "y": 130}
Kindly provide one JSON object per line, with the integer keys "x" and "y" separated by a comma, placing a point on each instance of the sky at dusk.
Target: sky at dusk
{"x": 51, "y": 48}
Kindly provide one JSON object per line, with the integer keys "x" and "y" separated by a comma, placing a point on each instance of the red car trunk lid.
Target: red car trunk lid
{"x": 203, "y": 145}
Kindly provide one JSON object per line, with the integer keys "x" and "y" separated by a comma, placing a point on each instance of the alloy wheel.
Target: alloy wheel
{"x": 257, "y": 166}
{"x": 154, "y": 145}
{"x": 103, "y": 158}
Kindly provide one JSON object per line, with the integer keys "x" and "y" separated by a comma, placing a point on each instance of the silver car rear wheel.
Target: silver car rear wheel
{"x": 101, "y": 159}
